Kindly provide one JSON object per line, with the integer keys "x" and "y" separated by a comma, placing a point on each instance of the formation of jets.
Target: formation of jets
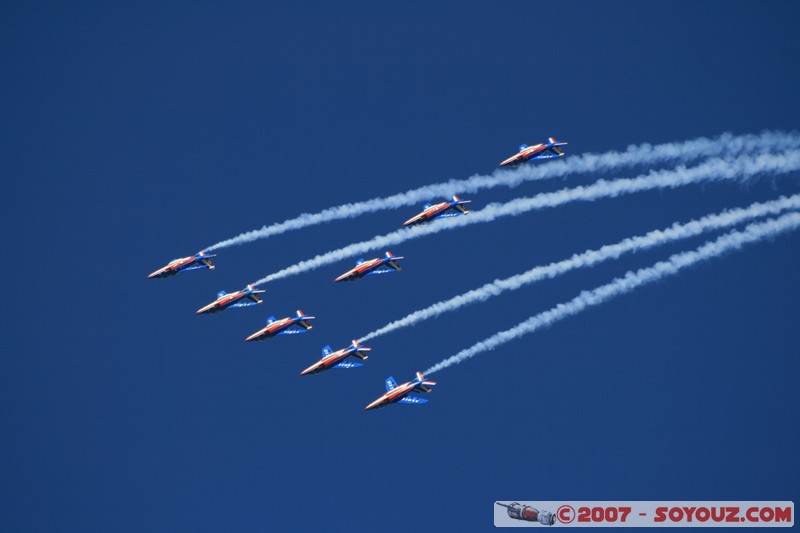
{"x": 407, "y": 393}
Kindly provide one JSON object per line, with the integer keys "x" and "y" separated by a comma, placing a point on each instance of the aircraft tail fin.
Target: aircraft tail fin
{"x": 359, "y": 350}
{"x": 459, "y": 204}
{"x": 254, "y": 291}
{"x": 425, "y": 384}
{"x": 304, "y": 320}
{"x": 393, "y": 260}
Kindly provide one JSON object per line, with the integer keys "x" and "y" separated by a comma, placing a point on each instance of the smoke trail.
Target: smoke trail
{"x": 643, "y": 154}
{"x": 713, "y": 170}
{"x": 590, "y": 258}
{"x": 726, "y": 243}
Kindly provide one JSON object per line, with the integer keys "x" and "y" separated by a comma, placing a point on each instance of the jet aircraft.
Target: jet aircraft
{"x": 530, "y": 514}
{"x": 243, "y": 298}
{"x": 403, "y": 393}
{"x": 338, "y": 359}
{"x": 548, "y": 150}
{"x": 443, "y": 210}
{"x": 371, "y": 267}
{"x": 184, "y": 264}
{"x": 284, "y": 326}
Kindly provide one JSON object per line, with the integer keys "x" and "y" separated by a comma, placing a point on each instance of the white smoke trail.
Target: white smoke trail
{"x": 713, "y": 170}
{"x": 643, "y": 154}
{"x": 632, "y": 280}
{"x": 590, "y": 258}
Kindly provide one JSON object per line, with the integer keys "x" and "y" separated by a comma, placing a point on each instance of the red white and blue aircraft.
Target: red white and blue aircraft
{"x": 443, "y": 210}
{"x": 371, "y": 267}
{"x": 184, "y": 264}
{"x": 338, "y": 359}
{"x": 243, "y": 298}
{"x": 549, "y": 150}
{"x": 403, "y": 393}
{"x": 284, "y": 326}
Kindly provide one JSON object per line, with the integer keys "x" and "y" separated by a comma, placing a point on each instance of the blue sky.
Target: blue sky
{"x": 134, "y": 134}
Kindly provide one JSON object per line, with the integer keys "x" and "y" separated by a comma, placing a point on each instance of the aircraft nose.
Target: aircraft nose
{"x": 253, "y": 337}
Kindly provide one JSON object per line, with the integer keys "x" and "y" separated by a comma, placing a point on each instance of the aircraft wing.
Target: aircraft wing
{"x": 292, "y": 330}
{"x": 390, "y": 383}
{"x": 546, "y": 154}
{"x": 412, "y": 400}
{"x": 243, "y": 303}
{"x": 447, "y": 214}
{"x": 347, "y": 364}
{"x": 384, "y": 269}
{"x": 192, "y": 267}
